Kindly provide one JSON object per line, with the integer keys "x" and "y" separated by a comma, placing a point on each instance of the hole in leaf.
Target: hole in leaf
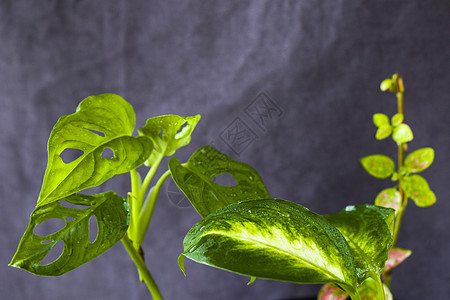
{"x": 214, "y": 196}
{"x": 49, "y": 227}
{"x": 71, "y": 205}
{"x": 53, "y": 254}
{"x": 225, "y": 179}
{"x": 161, "y": 133}
{"x": 108, "y": 153}
{"x": 46, "y": 242}
{"x": 96, "y": 132}
{"x": 93, "y": 229}
{"x": 182, "y": 131}
{"x": 68, "y": 219}
{"x": 70, "y": 154}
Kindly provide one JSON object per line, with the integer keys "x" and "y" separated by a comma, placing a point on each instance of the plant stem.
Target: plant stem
{"x": 133, "y": 202}
{"x": 143, "y": 271}
{"x": 149, "y": 177}
{"x": 147, "y": 210}
{"x": 401, "y": 159}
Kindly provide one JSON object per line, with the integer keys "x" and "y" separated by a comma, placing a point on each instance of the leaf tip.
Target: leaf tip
{"x": 252, "y": 279}
{"x": 181, "y": 263}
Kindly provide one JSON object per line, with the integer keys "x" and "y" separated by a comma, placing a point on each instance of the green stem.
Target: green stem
{"x": 149, "y": 206}
{"x": 149, "y": 177}
{"x": 387, "y": 276}
{"x": 143, "y": 271}
{"x": 380, "y": 289}
{"x": 133, "y": 201}
{"x": 401, "y": 159}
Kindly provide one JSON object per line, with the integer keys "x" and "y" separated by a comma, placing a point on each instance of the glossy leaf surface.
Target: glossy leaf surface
{"x": 416, "y": 188}
{"x": 101, "y": 122}
{"x": 402, "y": 134}
{"x": 396, "y": 257}
{"x": 111, "y": 213}
{"x": 195, "y": 180}
{"x": 379, "y": 166}
{"x": 389, "y": 198}
{"x": 168, "y": 134}
{"x": 419, "y": 160}
{"x": 272, "y": 239}
{"x": 368, "y": 235}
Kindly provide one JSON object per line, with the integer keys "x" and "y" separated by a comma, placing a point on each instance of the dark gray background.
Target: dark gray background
{"x": 321, "y": 62}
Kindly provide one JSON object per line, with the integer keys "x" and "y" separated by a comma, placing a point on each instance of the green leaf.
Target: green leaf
{"x": 389, "y": 198}
{"x": 397, "y": 119}
{"x": 168, "y": 134}
{"x": 380, "y": 119}
{"x": 368, "y": 235}
{"x": 402, "y": 134}
{"x": 100, "y": 122}
{"x": 195, "y": 180}
{"x": 396, "y": 257}
{"x": 330, "y": 291}
{"x": 379, "y": 166}
{"x": 416, "y": 188}
{"x": 386, "y": 84}
{"x": 111, "y": 213}
{"x": 419, "y": 160}
{"x": 273, "y": 239}
{"x": 383, "y": 132}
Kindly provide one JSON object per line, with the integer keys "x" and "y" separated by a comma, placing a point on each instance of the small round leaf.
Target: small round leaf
{"x": 379, "y": 166}
{"x": 402, "y": 134}
{"x": 383, "y": 132}
{"x": 397, "y": 119}
{"x": 380, "y": 119}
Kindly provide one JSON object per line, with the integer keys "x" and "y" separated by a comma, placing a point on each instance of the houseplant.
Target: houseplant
{"x": 241, "y": 223}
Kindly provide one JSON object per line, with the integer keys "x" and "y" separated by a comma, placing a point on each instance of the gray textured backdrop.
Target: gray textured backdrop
{"x": 320, "y": 62}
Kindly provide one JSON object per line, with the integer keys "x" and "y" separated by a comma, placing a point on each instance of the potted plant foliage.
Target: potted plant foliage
{"x": 243, "y": 229}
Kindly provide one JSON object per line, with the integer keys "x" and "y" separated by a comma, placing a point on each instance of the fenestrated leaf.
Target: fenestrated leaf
{"x": 380, "y": 119}
{"x": 330, "y": 291}
{"x": 383, "y": 132}
{"x": 419, "y": 160}
{"x": 368, "y": 235}
{"x": 273, "y": 239}
{"x": 416, "y": 188}
{"x": 194, "y": 178}
{"x": 111, "y": 212}
{"x": 396, "y": 257}
{"x": 168, "y": 134}
{"x": 389, "y": 198}
{"x": 101, "y": 122}
{"x": 402, "y": 134}
{"x": 378, "y": 165}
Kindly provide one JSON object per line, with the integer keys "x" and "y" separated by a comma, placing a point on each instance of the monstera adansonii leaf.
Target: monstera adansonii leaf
{"x": 168, "y": 133}
{"x": 100, "y": 130}
{"x": 111, "y": 214}
{"x": 195, "y": 178}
